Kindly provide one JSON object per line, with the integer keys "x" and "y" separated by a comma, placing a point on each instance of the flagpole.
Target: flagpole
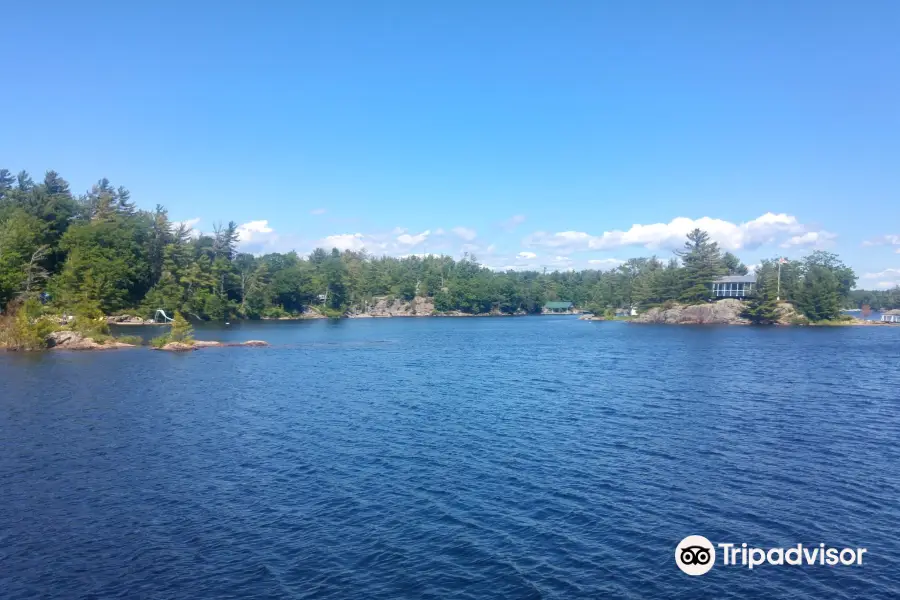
{"x": 778, "y": 293}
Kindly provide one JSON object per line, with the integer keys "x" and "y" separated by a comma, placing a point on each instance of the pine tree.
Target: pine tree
{"x": 819, "y": 297}
{"x": 762, "y": 307}
{"x": 702, "y": 263}
{"x": 181, "y": 330}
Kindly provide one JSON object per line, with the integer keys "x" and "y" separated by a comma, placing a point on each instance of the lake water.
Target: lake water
{"x": 451, "y": 458}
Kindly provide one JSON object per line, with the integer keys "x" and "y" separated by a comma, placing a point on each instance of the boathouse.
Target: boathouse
{"x": 558, "y": 307}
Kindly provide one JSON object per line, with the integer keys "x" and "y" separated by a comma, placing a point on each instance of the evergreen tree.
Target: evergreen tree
{"x": 819, "y": 297}
{"x": 733, "y": 265}
{"x": 21, "y": 254}
{"x": 181, "y": 330}
{"x": 702, "y": 264}
{"x": 761, "y": 308}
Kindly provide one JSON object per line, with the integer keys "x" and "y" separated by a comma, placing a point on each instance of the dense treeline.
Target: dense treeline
{"x": 98, "y": 254}
{"x": 876, "y": 299}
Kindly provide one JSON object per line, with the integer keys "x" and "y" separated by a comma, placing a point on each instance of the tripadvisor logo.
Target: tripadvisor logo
{"x": 696, "y": 555}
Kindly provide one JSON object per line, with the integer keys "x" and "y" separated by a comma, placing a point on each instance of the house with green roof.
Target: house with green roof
{"x": 558, "y": 307}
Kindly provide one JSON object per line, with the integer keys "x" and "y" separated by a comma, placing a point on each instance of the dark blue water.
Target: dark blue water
{"x": 451, "y": 458}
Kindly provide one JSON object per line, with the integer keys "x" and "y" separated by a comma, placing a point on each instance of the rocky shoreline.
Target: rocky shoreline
{"x": 199, "y": 344}
{"x": 418, "y": 307}
{"x": 721, "y": 312}
{"x": 728, "y": 312}
{"x": 72, "y": 340}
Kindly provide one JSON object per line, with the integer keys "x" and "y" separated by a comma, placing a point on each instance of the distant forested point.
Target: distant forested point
{"x": 97, "y": 253}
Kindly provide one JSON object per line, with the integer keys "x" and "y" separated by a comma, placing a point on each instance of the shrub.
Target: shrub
{"x": 274, "y": 312}
{"x": 331, "y": 313}
{"x": 181, "y": 330}
{"x": 91, "y": 327}
{"x": 134, "y": 340}
{"x": 160, "y": 341}
{"x": 23, "y": 328}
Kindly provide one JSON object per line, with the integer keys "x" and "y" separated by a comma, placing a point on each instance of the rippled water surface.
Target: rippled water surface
{"x": 451, "y": 458}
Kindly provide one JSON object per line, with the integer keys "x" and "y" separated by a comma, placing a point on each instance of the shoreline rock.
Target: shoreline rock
{"x": 72, "y": 340}
{"x": 311, "y": 313}
{"x": 199, "y": 344}
{"x": 723, "y": 312}
{"x": 178, "y": 347}
{"x": 206, "y": 344}
{"x": 418, "y": 307}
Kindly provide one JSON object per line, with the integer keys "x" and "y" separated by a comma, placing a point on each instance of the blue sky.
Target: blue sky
{"x": 528, "y": 133}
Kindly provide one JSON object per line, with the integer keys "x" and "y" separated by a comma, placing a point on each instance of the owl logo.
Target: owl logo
{"x": 695, "y": 555}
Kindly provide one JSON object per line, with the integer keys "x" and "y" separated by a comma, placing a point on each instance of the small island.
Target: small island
{"x": 26, "y": 329}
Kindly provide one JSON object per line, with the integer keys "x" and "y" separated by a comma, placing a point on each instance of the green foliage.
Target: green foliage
{"x": 762, "y": 307}
{"x": 733, "y": 265}
{"x": 23, "y": 328}
{"x": 331, "y": 313}
{"x": 818, "y": 297}
{"x": 160, "y": 341}
{"x": 92, "y": 327}
{"x": 877, "y": 300}
{"x": 181, "y": 330}
{"x": 702, "y": 263}
{"x": 134, "y": 340}
{"x": 274, "y": 312}
{"x": 21, "y": 258}
{"x": 99, "y": 254}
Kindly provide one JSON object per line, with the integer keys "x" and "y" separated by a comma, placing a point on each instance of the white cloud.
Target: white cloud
{"x": 526, "y": 255}
{"x": 318, "y": 211}
{"x": 885, "y": 279}
{"x": 813, "y": 239}
{"x": 578, "y": 240}
{"x": 189, "y": 223}
{"x": 344, "y": 241}
{"x": 397, "y": 242}
{"x": 605, "y": 263}
{"x": 512, "y": 222}
{"x": 439, "y": 231}
{"x": 465, "y": 233}
{"x": 257, "y": 237}
{"x": 767, "y": 229}
{"x": 406, "y": 239}
{"x": 248, "y": 231}
{"x": 884, "y": 240}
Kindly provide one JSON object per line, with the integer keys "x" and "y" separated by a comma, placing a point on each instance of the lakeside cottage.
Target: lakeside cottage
{"x": 734, "y": 286}
{"x": 558, "y": 307}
